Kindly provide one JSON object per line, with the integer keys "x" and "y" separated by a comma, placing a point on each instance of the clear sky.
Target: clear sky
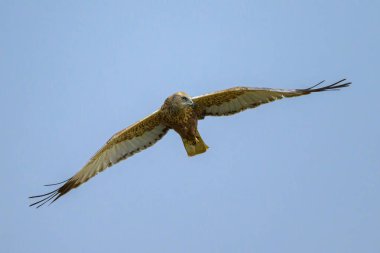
{"x": 296, "y": 175}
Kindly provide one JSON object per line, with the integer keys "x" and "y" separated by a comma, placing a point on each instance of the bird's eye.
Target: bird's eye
{"x": 184, "y": 98}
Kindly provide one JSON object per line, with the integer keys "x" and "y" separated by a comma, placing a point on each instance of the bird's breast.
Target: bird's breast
{"x": 184, "y": 122}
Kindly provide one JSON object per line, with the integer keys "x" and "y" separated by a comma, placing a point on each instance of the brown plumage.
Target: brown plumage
{"x": 181, "y": 113}
{"x": 178, "y": 112}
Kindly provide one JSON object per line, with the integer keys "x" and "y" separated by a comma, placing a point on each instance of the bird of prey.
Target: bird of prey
{"x": 181, "y": 113}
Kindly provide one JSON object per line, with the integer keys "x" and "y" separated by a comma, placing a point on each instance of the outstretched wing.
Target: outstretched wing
{"x": 234, "y": 100}
{"x": 120, "y": 146}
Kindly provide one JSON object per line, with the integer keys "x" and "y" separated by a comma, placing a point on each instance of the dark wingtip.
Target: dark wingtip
{"x": 335, "y": 86}
{"x": 53, "y": 195}
{"x": 42, "y": 195}
{"x": 316, "y": 85}
{"x": 47, "y": 198}
{"x": 64, "y": 181}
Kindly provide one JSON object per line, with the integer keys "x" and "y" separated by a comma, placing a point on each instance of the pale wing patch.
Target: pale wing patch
{"x": 248, "y": 99}
{"x": 239, "y": 99}
{"x": 118, "y": 152}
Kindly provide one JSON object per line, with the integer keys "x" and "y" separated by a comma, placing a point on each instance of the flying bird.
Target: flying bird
{"x": 181, "y": 113}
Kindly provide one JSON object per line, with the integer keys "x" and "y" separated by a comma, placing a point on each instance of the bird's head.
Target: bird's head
{"x": 179, "y": 101}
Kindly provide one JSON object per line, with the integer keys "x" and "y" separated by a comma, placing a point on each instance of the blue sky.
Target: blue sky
{"x": 297, "y": 175}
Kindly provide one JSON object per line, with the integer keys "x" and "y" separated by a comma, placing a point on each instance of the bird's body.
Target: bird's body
{"x": 178, "y": 116}
{"x": 181, "y": 113}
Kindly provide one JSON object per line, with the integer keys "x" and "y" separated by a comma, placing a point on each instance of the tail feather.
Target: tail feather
{"x": 195, "y": 147}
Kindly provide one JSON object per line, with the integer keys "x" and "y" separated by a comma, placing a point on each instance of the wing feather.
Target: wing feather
{"x": 120, "y": 146}
{"x": 234, "y": 100}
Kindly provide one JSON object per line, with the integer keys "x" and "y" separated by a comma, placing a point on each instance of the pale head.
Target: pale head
{"x": 179, "y": 100}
